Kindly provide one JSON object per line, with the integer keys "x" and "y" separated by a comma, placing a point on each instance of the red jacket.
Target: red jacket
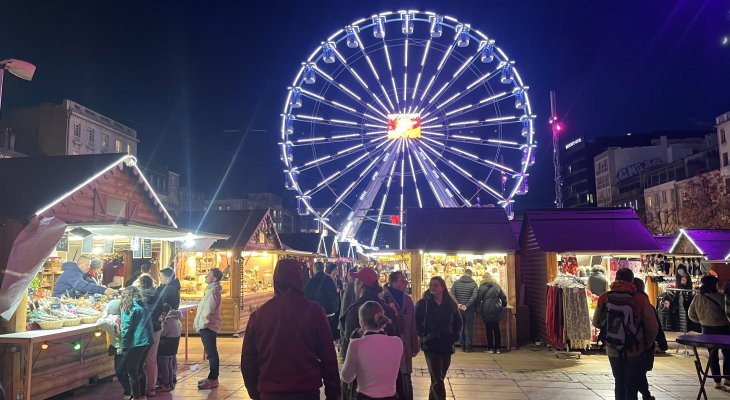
{"x": 288, "y": 346}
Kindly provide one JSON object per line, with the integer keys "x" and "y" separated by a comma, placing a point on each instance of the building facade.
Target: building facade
{"x": 284, "y": 220}
{"x": 67, "y": 128}
{"x": 722, "y": 124}
{"x": 7, "y": 145}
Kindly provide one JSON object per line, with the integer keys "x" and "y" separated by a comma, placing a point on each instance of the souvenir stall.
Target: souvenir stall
{"x": 65, "y": 207}
{"x": 247, "y": 260}
{"x": 446, "y": 241}
{"x": 570, "y": 256}
{"x": 386, "y": 261}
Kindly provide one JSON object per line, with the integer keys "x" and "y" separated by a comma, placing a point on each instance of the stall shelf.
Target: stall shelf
{"x": 247, "y": 260}
{"x": 553, "y": 237}
{"x": 97, "y": 198}
{"x": 446, "y": 241}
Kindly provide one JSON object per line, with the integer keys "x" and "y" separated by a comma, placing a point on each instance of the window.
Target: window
{"x": 104, "y": 142}
{"x": 589, "y": 197}
{"x": 724, "y": 160}
{"x": 117, "y": 146}
{"x": 77, "y": 130}
{"x": 723, "y": 139}
{"x": 664, "y": 197}
{"x": 129, "y": 148}
{"x": 648, "y": 201}
{"x": 92, "y": 136}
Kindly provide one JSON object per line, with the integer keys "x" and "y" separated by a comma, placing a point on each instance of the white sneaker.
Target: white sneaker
{"x": 499, "y": 352}
{"x": 718, "y": 385}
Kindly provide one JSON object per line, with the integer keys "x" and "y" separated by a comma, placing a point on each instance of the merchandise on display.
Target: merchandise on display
{"x": 452, "y": 266}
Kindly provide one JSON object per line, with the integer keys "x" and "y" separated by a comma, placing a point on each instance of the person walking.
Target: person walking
{"x": 169, "y": 293}
{"x": 628, "y": 327}
{"x": 396, "y": 296}
{"x": 491, "y": 300}
{"x": 146, "y": 287}
{"x": 169, "y": 343}
{"x": 438, "y": 323}
{"x": 208, "y": 323}
{"x": 708, "y": 310}
{"x": 661, "y": 340}
{"x": 289, "y": 360}
{"x": 333, "y": 271}
{"x": 465, "y": 292}
{"x": 321, "y": 290}
{"x": 137, "y": 337}
{"x": 111, "y": 323}
{"x": 375, "y": 359}
{"x": 347, "y": 297}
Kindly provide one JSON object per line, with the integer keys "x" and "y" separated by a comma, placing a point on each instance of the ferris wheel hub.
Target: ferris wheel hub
{"x": 404, "y": 126}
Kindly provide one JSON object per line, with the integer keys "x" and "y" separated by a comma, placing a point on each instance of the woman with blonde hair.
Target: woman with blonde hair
{"x": 492, "y": 301}
{"x": 374, "y": 359}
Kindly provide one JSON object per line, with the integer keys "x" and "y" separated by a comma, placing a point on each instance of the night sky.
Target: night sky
{"x": 197, "y": 78}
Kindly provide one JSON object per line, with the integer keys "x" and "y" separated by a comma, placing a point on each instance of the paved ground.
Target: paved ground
{"x": 527, "y": 373}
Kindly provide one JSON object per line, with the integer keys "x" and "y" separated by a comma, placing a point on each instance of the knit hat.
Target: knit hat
{"x": 114, "y": 307}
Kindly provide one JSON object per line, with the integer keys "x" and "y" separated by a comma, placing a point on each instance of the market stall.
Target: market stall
{"x": 386, "y": 261}
{"x": 562, "y": 252}
{"x": 446, "y": 241}
{"x": 247, "y": 260}
{"x": 701, "y": 251}
{"x": 102, "y": 206}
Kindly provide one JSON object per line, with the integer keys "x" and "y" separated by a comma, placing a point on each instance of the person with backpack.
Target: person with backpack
{"x": 707, "y": 309}
{"x": 491, "y": 300}
{"x": 628, "y": 328}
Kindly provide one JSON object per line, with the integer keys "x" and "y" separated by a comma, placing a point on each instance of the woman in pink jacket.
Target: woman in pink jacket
{"x": 208, "y": 324}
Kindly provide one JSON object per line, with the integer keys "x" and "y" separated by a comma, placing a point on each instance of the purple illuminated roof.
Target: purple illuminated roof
{"x": 459, "y": 229}
{"x": 665, "y": 242}
{"x": 597, "y": 230}
{"x": 714, "y": 244}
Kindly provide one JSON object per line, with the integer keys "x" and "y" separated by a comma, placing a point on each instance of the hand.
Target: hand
{"x": 462, "y": 307}
{"x": 110, "y": 292}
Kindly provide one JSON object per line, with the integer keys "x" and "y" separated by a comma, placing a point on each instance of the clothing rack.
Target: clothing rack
{"x": 683, "y": 315}
{"x": 564, "y": 282}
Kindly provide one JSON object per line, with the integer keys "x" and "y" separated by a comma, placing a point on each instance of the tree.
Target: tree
{"x": 705, "y": 202}
{"x": 662, "y": 222}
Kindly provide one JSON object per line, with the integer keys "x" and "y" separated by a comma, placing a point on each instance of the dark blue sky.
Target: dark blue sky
{"x": 193, "y": 77}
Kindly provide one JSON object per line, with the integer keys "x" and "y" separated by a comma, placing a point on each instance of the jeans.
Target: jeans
{"x": 120, "y": 371}
{"x": 467, "y": 328}
{"x": 494, "y": 336}
{"x": 166, "y": 373}
{"x": 714, "y": 355}
{"x": 209, "y": 338}
{"x": 648, "y": 366}
{"x": 407, "y": 390}
{"x": 628, "y": 373}
{"x": 438, "y": 365}
{"x": 150, "y": 365}
{"x": 134, "y": 363}
{"x": 173, "y": 377}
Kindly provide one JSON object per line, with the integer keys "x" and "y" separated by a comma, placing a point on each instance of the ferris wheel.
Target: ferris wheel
{"x": 404, "y": 109}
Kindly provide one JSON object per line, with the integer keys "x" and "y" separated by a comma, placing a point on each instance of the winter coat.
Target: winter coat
{"x": 706, "y": 312}
{"x": 169, "y": 293}
{"x": 321, "y": 290}
{"x": 208, "y": 314}
{"x": 465, "y": 291}
{"x": 644, "y": 314}
{"x": 346, "y": 300}
{"x": 597, "y": 283}
{"x": 154, "y": 306}
{"x": 492, "y": 301}
{"x": 406, "y": 320}
{"x": 170, "y": 335}
{"x": 111, "y": 323}
{"x": 438, "y": 325}
{"x": 351, "y": 319}
{"x": 287, "y": 348}
{"x": 136, "y": 327}
{"x": 71, "y": 283}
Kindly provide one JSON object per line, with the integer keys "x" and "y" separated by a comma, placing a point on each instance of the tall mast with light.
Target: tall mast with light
{"x": 557, "y": 128}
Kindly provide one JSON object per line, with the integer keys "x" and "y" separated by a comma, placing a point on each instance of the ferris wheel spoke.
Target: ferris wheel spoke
{"x": 346, "y": 137}
{"x": 441, "y": 193}
{"x": 474, "y": 123}
{"x": 336, "y": 122}
{"x": 413, "y": 175}
{"x": 344, "y": 89}
{"x": 461, "y": 171}
{"x": 438, "y": 72}
{"x": 328, "y": 158}
{"x": 442, "y": 175}
{"x": 499, "y": 143}
{"x": 487, "y": 101}
{"x": 471, "y": 157}
{"x": 328, "y": 181}
{"x": 382, "y": 204}
{"x": 359, "y": 79}
{"x": 454, "y": 78}
{"x": 338, "y": 106}
{"x": 454, "y": 99}
{"x": 374, "y": 71}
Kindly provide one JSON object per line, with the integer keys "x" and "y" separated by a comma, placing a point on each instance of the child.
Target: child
{"x": 111, "y": 323}
{"x": 169, "y": 342}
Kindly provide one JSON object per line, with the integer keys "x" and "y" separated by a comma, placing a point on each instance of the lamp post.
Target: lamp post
{"x": 21, "y": 69}
{"x": 557, "y": 127}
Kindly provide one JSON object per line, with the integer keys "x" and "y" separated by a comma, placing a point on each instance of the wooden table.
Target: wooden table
{"x": 713, "y": 343}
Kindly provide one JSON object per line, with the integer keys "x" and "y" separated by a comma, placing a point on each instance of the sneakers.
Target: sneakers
{"x": 727, "y": 382}
{"x": 719, "y": 385}
{"x": 498, "y": 352}
{"x": 164, "y": 389}
{"x": 208, "y": 384}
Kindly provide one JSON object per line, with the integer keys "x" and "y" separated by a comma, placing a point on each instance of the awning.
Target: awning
{"x": 135, "y": 229}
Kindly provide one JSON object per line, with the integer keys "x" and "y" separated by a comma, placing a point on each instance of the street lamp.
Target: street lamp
{"x": 21, "y": 69}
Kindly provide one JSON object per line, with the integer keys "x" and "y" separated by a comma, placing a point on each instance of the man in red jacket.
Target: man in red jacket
{"x": 288, "y": 350}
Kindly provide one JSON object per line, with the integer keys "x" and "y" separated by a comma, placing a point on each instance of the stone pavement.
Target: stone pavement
{"x": 527, "y": 373}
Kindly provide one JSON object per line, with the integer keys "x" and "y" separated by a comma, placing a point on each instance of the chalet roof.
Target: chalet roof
{"x": 594, "y": 229}
{"x": 301, "y": 241}
{"x": 31, "y": 185}
{"x": 713, "y": 243}
{"x": 239, "y": 225}
{"x": 459, "y": 229}
{"x": 665, "y": 242}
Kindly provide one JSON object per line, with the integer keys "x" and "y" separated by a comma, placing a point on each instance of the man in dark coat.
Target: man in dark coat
{"x": 465, "y": 291}
{"x": 289, "y": 360}
{"x": 71, "y": 282}
{"x": 321, "y": 290}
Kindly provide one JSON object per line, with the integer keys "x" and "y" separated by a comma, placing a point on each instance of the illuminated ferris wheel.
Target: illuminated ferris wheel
{"x": 404, "y": 109}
